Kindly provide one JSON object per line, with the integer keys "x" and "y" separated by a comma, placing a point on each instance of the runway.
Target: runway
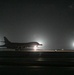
{"x": 39, "y": 50}
{"x": 37, "y": 62}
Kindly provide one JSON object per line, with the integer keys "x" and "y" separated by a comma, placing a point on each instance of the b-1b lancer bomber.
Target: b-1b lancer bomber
{"x": 19, "y": 46}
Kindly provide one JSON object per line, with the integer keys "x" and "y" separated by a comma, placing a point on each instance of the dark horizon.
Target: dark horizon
{"x": 48, "y": 22}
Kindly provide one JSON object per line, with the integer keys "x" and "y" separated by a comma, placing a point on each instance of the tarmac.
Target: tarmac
{"x": 40, "y": 62}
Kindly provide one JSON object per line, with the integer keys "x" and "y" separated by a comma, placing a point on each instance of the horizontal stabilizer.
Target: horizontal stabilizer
{"x": 2, "y": 45}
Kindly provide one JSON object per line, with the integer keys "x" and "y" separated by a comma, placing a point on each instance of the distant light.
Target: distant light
{"x": 62, "y": 49}
{"x": 73, "y": 44}
{"x": 56, "y": 50}
{"x": 35, "y": 48}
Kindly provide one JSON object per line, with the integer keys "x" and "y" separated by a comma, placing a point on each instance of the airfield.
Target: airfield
{"x": 39, "y": 50}
{"x": 36, "y": 61}
{"x": 37, "y": 57}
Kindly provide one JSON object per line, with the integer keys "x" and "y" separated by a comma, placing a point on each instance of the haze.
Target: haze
{"x": 48, "y": 22}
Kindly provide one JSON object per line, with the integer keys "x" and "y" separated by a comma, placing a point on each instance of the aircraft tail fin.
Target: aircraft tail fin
{"x": 6, "y": 40}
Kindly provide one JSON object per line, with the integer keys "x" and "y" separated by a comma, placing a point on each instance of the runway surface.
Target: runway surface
{"x": 54, "y": 62}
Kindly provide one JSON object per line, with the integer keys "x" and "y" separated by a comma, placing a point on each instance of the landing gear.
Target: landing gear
{"x": 18, "y": 49}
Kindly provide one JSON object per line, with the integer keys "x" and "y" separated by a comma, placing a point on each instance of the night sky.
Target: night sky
{"x": 50, "y": 22}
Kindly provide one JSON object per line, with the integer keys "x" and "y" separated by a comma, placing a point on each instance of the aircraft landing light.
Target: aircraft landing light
{"x": 35, "y": 48}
